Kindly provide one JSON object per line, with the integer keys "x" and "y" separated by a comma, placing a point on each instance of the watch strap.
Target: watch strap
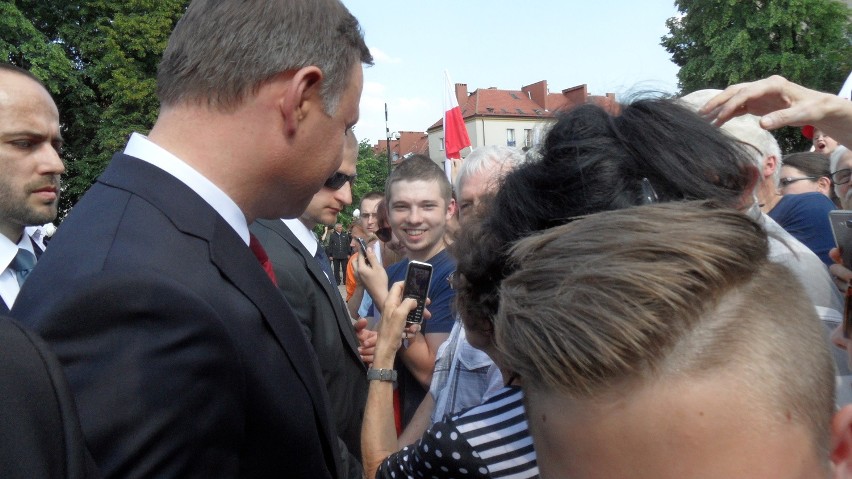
{"x": 381, "y": 375}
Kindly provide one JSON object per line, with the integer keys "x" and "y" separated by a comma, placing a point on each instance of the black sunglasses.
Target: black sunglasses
{"x": 337, "y": 180}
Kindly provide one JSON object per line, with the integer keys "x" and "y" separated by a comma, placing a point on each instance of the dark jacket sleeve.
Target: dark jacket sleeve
{"x": 40, "y": 432}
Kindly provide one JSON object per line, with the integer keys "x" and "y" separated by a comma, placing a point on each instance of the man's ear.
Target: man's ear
{"x": 301, "y": 97}
{"x": 824, "y": 185}
{"x": 841, "y": 442}
{"x": 770, "y": 164}
{"x": 451, "y": 208}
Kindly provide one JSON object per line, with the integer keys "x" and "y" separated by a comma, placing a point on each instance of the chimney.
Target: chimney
{"x": 537, "y": 92}
{"x": 461, "y": 94}
{"x": 575, "y": 95}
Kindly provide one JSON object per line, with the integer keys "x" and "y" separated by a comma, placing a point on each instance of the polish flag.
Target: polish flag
{"x": 455, "y": 133}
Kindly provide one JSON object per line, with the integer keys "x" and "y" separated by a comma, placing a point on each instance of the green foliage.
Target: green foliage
{"x": 722, "y": 42}
{"x": 372, "y": 172}
{"x": 99, "y": 60}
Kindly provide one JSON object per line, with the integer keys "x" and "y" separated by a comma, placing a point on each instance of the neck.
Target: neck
{"x": 425, "y": 255}
{"x": 13, "y": 232}
{"x": 309, "y": 224}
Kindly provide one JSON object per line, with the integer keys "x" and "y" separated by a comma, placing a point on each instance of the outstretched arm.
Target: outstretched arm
{"x": 783, "y": 103}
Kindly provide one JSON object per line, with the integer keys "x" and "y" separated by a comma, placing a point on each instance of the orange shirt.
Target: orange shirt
{"x": 350, "y": 276}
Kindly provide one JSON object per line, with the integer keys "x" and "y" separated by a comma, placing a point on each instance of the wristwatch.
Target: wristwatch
{"x": 381, "y": 375}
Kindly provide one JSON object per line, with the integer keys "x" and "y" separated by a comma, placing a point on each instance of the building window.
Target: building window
{"x": 528, "y": 138}
{"x": 510, "y": 137}
{"x": 442, "y": 143}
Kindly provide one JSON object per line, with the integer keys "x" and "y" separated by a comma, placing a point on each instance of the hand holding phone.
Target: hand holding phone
{"x": 363, "y": 249}
{"x": 841, "y": 227}
{"x": 417, "y": 279}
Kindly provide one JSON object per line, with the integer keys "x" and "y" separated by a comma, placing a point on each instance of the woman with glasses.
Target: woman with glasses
{"x": 805, "y": 173}
{"x": 803, "y": 209}
{"x": 841, "y": 171}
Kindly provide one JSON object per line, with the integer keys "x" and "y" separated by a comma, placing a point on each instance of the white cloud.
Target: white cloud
{"x": 381, "y": 57}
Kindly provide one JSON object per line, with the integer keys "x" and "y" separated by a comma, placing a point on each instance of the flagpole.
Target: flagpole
{"x": 387, "y": 136}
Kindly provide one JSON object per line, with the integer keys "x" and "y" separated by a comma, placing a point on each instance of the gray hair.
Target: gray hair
{"x": 222, "y": 50}
{"x": 499, "y": 159}
{"x": 745, "y": 129}
{"x": 836, "y": 155}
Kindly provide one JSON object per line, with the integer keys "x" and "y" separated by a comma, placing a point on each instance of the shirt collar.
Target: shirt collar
{"x": 303, "y": 234}
{"x": 139, "y": 146}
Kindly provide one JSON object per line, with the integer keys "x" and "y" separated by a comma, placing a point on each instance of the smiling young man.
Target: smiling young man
{"x": 420, "y": 203}
{"x": 29, "y": 172}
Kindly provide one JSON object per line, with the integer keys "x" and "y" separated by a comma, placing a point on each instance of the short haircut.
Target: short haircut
{"x": 8, "y": 67}
{"x": 373, "y": 195}
{"x": 222, "y": 50}
{"x": 744, "y": 128}
{"x": 809, "y": 163}
{"x": 495, "y": 159}
{"x": 420, "y": 168}
{"x": 620, "y": 299}
{"x": 591, "y": 161}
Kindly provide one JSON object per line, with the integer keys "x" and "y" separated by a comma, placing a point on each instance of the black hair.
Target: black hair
{"x": 591, "y": 161}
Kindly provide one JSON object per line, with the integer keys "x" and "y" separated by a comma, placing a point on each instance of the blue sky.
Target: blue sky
{"x": 611, "y": 45}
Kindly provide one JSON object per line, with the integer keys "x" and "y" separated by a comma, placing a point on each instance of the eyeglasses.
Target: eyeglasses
{"x": 367, "y": 216}
{"x": 337, "y": 180}
{"x": 784, "y": 182}
{"x": 840, "y": 177}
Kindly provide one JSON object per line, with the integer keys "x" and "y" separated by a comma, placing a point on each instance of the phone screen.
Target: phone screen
{"x": 841, "y": 227}
{"x": 417, "y": 279}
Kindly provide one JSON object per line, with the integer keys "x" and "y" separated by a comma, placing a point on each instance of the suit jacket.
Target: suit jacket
{"x": 326, "y": 322}
{"x": 338, "y": 245}
{"x": 184, "y": 359}
{"x": 39, "y": 429}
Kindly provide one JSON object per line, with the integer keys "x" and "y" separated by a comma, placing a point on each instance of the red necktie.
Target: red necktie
{"x": 260, "y": 253}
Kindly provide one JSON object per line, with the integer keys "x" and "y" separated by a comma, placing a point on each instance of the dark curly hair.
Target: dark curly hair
{"x": 591, "y": 161}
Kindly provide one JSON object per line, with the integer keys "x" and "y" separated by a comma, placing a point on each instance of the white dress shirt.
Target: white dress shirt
{"x": 8, "y": 281}
{"x": 139, "y": 146}
{"x": 306, "y": 237}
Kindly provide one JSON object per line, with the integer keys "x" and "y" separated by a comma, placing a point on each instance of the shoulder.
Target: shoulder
{"x": 396, "y": 271}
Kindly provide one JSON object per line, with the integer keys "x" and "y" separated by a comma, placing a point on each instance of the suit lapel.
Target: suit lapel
{"x": 232, "y": 257}
{"x": 343, "y": 321}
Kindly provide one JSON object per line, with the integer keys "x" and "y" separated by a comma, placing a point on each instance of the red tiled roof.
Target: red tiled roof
{"x": 532, "y": 101}
{"x": 414, "y": 142}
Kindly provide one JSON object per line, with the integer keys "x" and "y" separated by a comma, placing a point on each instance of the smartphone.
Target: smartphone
{"x": 363, "y": 249}
{"x": 417, "y": 278}
{"x": 841, "y": 227}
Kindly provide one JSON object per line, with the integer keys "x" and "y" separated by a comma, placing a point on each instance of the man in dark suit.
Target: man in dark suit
{"x": 39, "y": 429}
{"x": 29, "y": 173}
{"x": 338, "y": 251}
{"x": 184, "y": 358}
{"x": 301, "y": 267}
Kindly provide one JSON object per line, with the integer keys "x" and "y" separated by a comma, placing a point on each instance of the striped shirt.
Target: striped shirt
{"x": 491, "y": 440}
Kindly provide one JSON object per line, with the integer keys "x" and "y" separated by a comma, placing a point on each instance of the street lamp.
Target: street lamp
{"x": 389, "y": 137}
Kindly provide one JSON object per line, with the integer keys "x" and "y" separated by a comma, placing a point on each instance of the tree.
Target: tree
{"x": 98, "y": 58}
{"x": 721, "y": 42}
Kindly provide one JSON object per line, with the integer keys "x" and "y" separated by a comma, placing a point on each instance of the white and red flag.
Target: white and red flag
{"x": 455, "y": 132}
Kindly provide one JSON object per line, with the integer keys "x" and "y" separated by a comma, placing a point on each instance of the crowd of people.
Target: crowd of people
{"x": 653, "y": 292}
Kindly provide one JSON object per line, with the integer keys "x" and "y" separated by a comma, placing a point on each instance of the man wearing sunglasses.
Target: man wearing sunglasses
{"x": 304, "y": 277}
